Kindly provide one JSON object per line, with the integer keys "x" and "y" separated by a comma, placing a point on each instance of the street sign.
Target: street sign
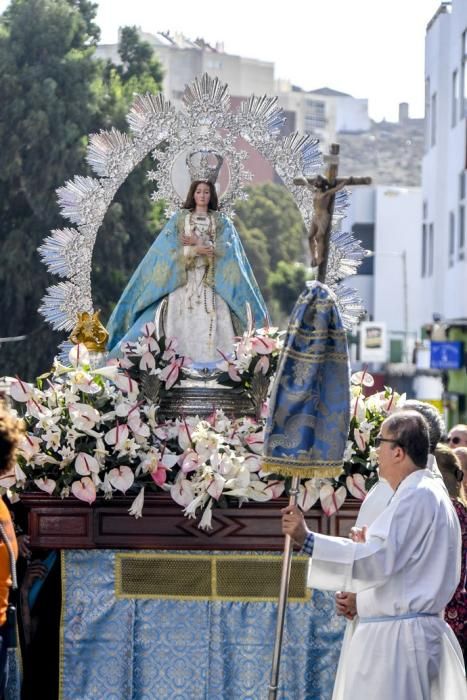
{"x": 447, "y": 354}
{"x": 373, "y": 342}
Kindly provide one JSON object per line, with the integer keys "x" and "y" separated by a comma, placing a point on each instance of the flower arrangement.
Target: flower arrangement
{"x": 93, "y": 432}
{"x": 253, "y": 364}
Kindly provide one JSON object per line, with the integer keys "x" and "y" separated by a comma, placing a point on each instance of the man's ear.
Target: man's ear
{"x": 399, "y": 452}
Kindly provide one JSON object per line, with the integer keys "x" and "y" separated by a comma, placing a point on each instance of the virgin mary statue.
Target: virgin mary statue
{"x": 197, "y": 263}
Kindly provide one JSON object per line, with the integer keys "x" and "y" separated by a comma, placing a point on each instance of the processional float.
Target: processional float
{"x": 324, "y": 311}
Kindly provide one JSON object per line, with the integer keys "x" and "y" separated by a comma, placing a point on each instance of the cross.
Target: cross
{"x": 324, "y": 191}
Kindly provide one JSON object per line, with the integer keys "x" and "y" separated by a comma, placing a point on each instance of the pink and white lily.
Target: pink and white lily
{"x": 84, "y": 490}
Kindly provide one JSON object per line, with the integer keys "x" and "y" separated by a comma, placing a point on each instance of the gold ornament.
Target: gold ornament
{"x": 90, "y": 332}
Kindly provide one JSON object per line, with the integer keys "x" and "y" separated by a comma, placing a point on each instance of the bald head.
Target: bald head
{"x": 457, "y": 436}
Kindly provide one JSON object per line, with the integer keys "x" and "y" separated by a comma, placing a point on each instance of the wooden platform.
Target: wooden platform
{"x": 70, "y": 524}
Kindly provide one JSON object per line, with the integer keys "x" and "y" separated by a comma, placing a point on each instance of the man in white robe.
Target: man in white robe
{"x": 403, "y": 575}
{"x": 375, "y": 502}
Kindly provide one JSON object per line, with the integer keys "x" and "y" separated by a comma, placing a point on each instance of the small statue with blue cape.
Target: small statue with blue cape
{"x": 197, "y": 263}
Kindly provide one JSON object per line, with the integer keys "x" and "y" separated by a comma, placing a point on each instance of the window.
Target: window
{"x": 315, "y": 115}
{"x": 427, "y": 114}
{"x": 433, "y": 119}
{"x": 452, "y": 238}
{"x": 461, "y": 238}
{"x": 461, "y": 220}
{"x": 431, "y": 245}
{"x": 455, "y": 98}
{"x": 424, "y": 250}
{"x": 463, "y": 95}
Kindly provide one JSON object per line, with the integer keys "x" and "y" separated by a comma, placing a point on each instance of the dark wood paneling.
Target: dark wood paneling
{"x": 67, "y": 524}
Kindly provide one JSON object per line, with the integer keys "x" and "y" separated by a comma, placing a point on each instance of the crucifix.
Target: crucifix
{"x": 324, "y": 191}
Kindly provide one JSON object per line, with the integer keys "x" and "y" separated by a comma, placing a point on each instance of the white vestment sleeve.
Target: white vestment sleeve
{"x": 339, "y": 564}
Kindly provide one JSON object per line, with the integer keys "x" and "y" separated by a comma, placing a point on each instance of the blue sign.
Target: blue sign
{"x": 447, "y": 354}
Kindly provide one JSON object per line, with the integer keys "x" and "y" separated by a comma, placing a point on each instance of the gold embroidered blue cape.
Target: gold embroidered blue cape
{"x": 162, "y": 270}
{"x": 309, "y": 415}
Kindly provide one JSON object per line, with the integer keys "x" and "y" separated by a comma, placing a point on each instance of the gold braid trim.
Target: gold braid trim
{"x": 310, "y": 471}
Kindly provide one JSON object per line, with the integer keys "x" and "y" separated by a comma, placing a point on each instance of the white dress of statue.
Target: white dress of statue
{"x": 197, "y": 316}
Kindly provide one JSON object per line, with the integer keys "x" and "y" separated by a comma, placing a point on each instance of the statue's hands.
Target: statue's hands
{"x": 192, "y": 239}
{"x": 207, "y": 250}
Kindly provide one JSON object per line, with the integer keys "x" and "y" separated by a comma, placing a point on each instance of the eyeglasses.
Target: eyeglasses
{"x": 379, "y": 440}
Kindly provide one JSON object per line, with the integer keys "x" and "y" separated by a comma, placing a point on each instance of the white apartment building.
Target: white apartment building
{"x": 387, "y": 221}
{"x": 324, "y": 112}
{"x": 443, "y": 254}
{"x": 183, "y": 60}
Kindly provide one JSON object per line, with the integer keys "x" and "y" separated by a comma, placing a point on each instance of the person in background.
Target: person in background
{"x": 457, "y": 436}
{"x": 461, "y": 454}
{"x": 10, "y": 433}
{"x": 455, "y": 612}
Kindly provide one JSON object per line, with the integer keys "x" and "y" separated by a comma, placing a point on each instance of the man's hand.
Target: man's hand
{"x": 358, "y": 534}
{"x": 34, "y": 571}
{"x": 293, "y": 524}
{"x": 346, "y": 604}
{"x": 24, "y": 546}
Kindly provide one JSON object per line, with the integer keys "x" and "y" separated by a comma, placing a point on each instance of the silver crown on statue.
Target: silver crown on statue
{"x": 204, "y": 165}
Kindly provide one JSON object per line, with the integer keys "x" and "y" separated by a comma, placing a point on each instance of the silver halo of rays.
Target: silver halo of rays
{"x": 207, "y": 122}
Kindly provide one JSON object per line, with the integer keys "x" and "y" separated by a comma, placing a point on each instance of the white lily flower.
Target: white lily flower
{"x": 106, "y": 487}
{"x": 206, "y": 521}
{"x": 43, "y": 458}
{"x": 67, "y": 455}
{"x": 52, "y": 439}
{"x": 196, "y": 503}
{"x": 136, "y": 507}
{"x": 127, "y": 448}
{"x": 108, "y": 371}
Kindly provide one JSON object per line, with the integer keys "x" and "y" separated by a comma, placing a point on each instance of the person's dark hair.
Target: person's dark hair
{"x": 190, "y": 198}
{"x": 436, "y": 427}
{"x": 410, "y": 430}
{"x": 11, "y": 430}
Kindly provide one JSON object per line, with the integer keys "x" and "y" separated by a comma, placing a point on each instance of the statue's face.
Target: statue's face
{"x": 202, "y": 195}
